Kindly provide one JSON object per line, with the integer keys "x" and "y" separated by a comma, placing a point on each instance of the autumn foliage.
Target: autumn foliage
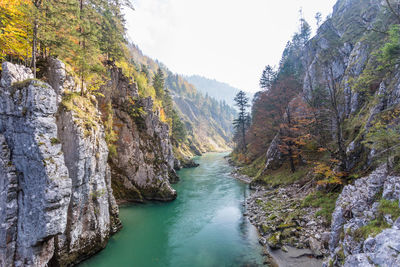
{"x": 294, "y": 130}
{"x": 14, "y": 29}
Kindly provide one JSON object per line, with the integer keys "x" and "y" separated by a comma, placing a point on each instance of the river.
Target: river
{"x": 204, "y": 226}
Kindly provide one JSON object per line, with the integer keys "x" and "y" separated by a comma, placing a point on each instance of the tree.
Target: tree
{"x": 242, "y": 102}
{"x": 335, "y": 100}
{"x": 391, "y": 50}
{"x": 294, "y": 131}
{"x": 37, "y": 13}
{"x": 112, "y": 29}
{"x": 386, "y": 141}
{"x": 14, "y": 29}
{"x": 179, "y": 132}
{"x": 384, "y": 137}
{"x": 159, "y": 83}
{"x": 145, "y": 70}
{"x": 392, "y": 10}
{"x": 267, "y": 78}
{"x": 88, "y": 57}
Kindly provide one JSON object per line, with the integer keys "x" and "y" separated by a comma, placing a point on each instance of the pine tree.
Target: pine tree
{"x": 88, "y": 57}
{"x": 112, "y": 29}
{"x": 242, "y": 102}
{"x": 159, "y": 83}
{"x": 384, "y": 137}
{"x": 267, "y": 78}
{"x": 37, "y": 13}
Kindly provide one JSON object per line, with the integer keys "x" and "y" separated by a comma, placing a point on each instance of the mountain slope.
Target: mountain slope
{"x": 218, "y": 90}
{"x": 208, "y": 122}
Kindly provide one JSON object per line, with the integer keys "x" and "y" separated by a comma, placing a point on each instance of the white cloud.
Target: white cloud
{"x": 229, "y": 40}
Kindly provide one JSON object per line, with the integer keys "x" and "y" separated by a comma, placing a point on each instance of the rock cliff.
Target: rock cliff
{"x": 346, "y": 47}
{"x": 143, "y": 163}
{"x": 57, "y": 206}
{"x": 363, "y": 231}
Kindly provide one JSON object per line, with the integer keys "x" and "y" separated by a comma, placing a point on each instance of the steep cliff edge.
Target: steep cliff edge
{"x": 143, "y": 163}
{"x": 364, "y": 230}
{"x": 57, "y": 174}
{"x": 55, "y": 182}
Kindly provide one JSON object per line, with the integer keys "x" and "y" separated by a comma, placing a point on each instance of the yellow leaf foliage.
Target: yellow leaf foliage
{"x": 14, "y": 28}
{"x": 327, "y": 174}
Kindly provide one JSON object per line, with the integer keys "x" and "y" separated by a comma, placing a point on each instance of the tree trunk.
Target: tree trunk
{"x": 34, "y": 47}
{"x": 290, "y": 143}
{"x": 244, "y": 135}
{"x": 292, "y": 167}
{"x": 82, "y": 44}
{"x": 333, "y": 94}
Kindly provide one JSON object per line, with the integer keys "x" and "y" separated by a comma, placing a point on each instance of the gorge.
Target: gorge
{"x": 109, "y": 158}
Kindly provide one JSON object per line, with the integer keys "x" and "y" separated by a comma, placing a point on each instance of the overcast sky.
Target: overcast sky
{"x": 227, "y": 40}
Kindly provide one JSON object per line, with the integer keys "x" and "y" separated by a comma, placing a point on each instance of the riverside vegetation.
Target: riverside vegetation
{"x": 321, "y": 143}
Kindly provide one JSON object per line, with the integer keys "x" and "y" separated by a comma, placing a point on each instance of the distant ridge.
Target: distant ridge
{"x": 218, "y": 90}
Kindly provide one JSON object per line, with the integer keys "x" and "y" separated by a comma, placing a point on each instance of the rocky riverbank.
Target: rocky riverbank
{"x": 291, "y": 231}
{"x": 362, "y": 230}
{"x": 285, "y": 224}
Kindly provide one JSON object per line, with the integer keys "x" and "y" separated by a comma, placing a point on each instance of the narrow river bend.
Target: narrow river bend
{"x": 204, "y": 226}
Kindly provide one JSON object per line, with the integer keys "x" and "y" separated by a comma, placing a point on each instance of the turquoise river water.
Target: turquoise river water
{"x": 204, "y": 226}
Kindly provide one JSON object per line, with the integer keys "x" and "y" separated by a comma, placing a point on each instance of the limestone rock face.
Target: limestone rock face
{"x": 143, "y": 165}
{"x": 382, "y": 250}
{"x": 55, "y": 195}
{"x": 343, "y": 51}
{"x": 92, "y": 204}
{"x": 9, "y": 207}
{"x": 57, "y": 76}
{"x": 28, "y": 123}
{"x": 357, "y": 206}
{"x": 14, "y": 73}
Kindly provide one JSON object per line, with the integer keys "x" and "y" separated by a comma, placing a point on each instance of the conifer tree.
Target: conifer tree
{"x": 242, "y": 102}
{"x": 112, "y": 30}
{"x": 267, "y": 78}
{"x": 159, "y": 83}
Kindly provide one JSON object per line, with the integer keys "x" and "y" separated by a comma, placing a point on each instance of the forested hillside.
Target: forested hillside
{"x": 326, "y": 117}
{"x": 207, "y": 121}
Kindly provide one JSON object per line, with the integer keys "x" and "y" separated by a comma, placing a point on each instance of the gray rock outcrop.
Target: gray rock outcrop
{"x": 274, "y": 155}
{"x": 143, "y": 165}
{"x": 56, "y": 200}
{"x": 382, "y": 250}
{"x": 356, "y": 207}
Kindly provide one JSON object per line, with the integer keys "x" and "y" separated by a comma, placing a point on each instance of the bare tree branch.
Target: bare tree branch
{"x": 392, "y": 10}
